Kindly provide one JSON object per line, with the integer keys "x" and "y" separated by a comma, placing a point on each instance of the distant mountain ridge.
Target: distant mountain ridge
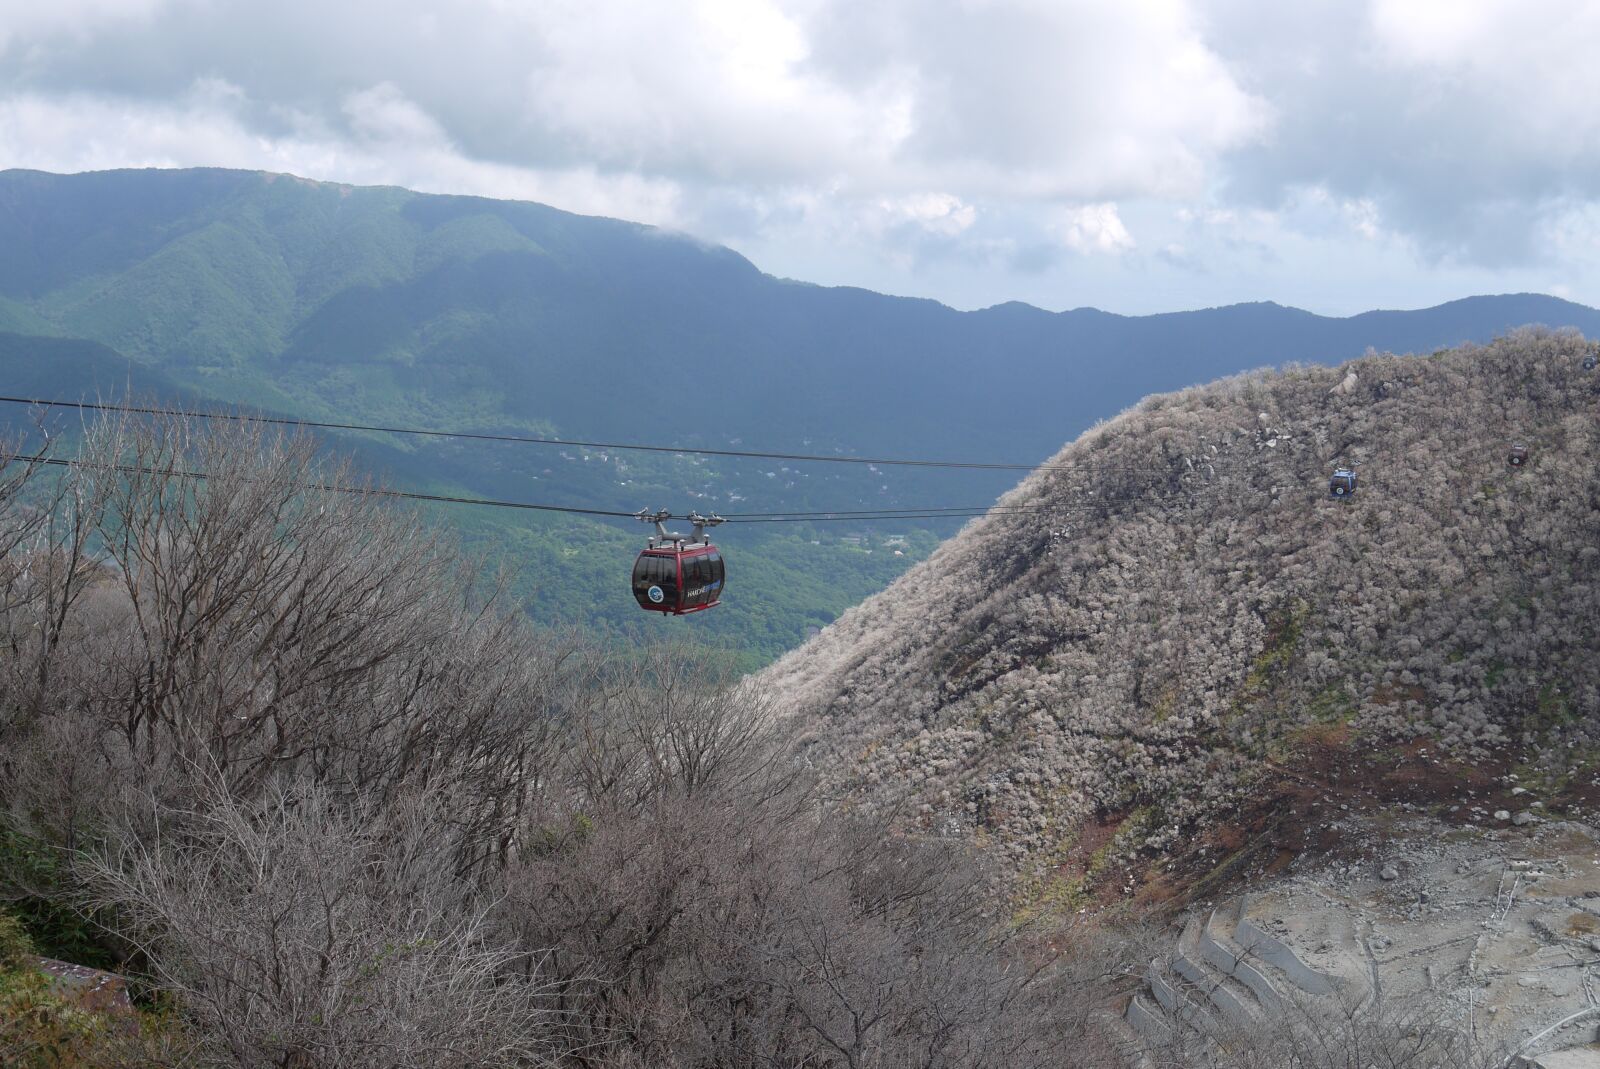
{"x": 326, "y": 297}
{"x": 376, "y": 304}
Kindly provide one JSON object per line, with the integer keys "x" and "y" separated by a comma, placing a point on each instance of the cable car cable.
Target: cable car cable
{"x": 412, "y": 495}
{"x": 866, "y": 515}
{"x": 284, "y": 421}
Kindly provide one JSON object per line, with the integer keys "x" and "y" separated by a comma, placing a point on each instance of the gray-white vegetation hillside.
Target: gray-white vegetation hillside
{"x": 1177, "y": 601}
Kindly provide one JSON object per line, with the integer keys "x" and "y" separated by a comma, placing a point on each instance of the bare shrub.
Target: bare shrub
{"x": 300, "y": 932}
{"x": 699, "y": 907}
{"x": 234, "y": 629}
{"x": 1414, "y": 1032}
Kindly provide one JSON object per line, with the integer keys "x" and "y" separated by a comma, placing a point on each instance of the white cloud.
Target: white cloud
{"x": 936, "y": 213}
{"x": 976, "y": 140}
{"x": 399, "y": 145}
{"x": 1572, "y": 230}
{"x": 1055, "y": 100}
{"x": 1317, "y": 209}
{"x": 1478, "y": 32}
{"x": 1363, "y": 216}
{"x": 1463, "y": 124}
{"x": 383, "y": 113}
{"x": 719, "y": 89}
{"x": 32, "y": 21}
{"x": 1434, "y": 30}
{"x": 1524, "y": 68}
{"x": 1094, "y": 228}
{"x": 1067, "y": 100}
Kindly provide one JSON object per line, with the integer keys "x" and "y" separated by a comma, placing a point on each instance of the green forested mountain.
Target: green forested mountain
{"x": 382, "y": 305}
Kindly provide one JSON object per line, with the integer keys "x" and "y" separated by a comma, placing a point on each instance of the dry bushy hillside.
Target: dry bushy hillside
{"x": 273, "y": 751}
{"x": 1196, "y": 605}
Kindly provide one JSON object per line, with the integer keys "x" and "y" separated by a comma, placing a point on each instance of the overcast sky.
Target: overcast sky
{"x": 1134, "y": 155}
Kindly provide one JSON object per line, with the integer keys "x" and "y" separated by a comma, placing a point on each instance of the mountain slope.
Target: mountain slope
{"x": 1196, "y": 614}
{"x": 69, "y": 367}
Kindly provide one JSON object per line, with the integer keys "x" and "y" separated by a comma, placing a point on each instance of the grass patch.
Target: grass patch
{"x": 1582, "y": 924}
{"x": 32, "y": 870}
{"x": 1331, "y": 706}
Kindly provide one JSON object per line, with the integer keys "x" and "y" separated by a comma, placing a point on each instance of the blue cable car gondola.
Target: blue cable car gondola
{"x": 1590, "y": 362}
{"x": 1343, "y": 483}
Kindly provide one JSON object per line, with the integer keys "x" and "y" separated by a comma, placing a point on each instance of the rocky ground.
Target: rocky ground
{"x": 1492, "y": 919}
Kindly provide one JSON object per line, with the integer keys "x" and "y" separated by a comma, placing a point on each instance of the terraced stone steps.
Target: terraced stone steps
{"x": 1218, "y": 985}
{"x": 1131, "y": 1045}
{"x": 1218, "y": 947}
{"x": 1150, "y": 1022}
{"x": 1576, "y": 1058}
{"x": 1227, "y": 969}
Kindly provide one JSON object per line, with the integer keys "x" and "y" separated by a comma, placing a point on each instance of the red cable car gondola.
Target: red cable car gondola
{"x": 678, "y": 574}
